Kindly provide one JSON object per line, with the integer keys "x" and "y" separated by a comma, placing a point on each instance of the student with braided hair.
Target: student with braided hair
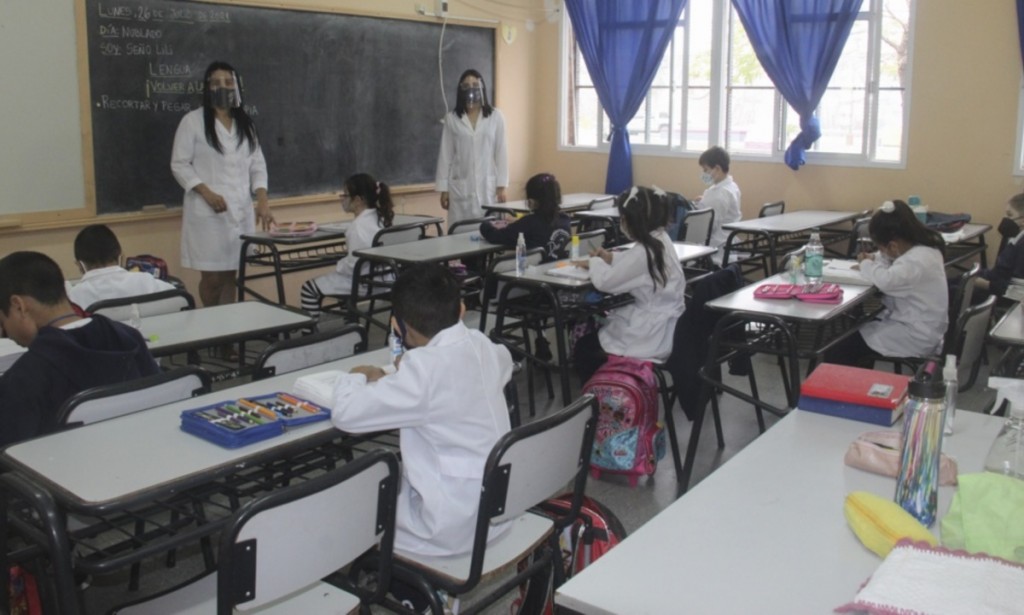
{"x": 650, "y": 272}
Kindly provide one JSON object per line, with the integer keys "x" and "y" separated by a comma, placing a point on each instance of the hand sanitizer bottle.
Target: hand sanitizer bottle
{"x": 814, "y": 259}
{"x": 952, "y": 382}
{"x": 520, "y": 255}
{"x": 574, "y": 248}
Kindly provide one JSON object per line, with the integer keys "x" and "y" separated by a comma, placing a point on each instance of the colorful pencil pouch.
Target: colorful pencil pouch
{"x": 777, "y": 291}
{"x": 824, "y": 293}
{"x": 879, "y": 452}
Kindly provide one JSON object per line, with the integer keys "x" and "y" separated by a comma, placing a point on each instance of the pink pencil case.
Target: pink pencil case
{"x": 879, "y": 452}
{"x": 824, "y": 293}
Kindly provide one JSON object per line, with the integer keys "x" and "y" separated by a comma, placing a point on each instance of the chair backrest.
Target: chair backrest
{"x": 401, "y": 233}
{"x": 858, "y": 234}
{"x": 960, "y": 300}
{"x": 591, "y": 241}
{"x": 469, "y": 225}
{"x": 293, "y": 537}
{"x": 678, "y": 207}
{"x": 317, "y": 348}
{"x": 971, "y": 330}
{"x": 603, "y": 203}
{"x": 506, "y": 261}
{"x": 698, "y": 226}
{"x": 151, "y": 304}
{"x": 772, "y": 209}
{"x": 113, "y": 400}
{"x": 531, "y": 463}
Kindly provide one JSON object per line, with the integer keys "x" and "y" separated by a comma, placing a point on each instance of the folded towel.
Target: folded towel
{"x": 917, "y": 578}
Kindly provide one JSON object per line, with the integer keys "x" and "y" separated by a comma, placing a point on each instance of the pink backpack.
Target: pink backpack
{"x": 629, "y": 438}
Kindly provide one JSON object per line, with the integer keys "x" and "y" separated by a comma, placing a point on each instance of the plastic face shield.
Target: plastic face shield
{"x": 224, "y": 94}
{"x": 474, "y": 92}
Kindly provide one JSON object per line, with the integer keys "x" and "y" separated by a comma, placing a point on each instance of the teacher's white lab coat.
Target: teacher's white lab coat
{"x": 916, "y": 303}
{"x": 210, "y": 241}
{"x": 472, "y": 163}
{"x": 446, "y": 400}
{"x": 643, "y": 329}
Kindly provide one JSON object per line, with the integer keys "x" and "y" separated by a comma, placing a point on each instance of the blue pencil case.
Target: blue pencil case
{"x": 239, "y": 422}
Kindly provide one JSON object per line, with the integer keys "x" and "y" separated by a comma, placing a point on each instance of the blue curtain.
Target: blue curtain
{"x": 622, "y": 42}
{"x": 799, "y": 43}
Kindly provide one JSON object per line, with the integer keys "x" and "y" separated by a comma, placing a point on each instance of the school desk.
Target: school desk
{"x": 143, "y": 466}
{"x": 768, "y": 231}
{"x": 966, "y": 243}
{"x": 572, "y": 202}
{"x": 430, "y": 250}
{"x": 291, "y": 254}
{"x": 10, "y": 351}
{"x": 559, "y": 298}
{"x": 764, "y": 533}
{"x": 1009, "y": 334}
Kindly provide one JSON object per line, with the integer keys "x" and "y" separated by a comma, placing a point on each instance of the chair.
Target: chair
{"x": 297, "y": 353}
{"x": 959, "y": 300}
{"x": 590, "y": 241}
{"x": 469, "y": 225}
{"x": 969, "y": 340}
{"x": 151, "y": 304}
{"x": 276, "y": 549}
{"x": 858, "y": 234}
{"x": 526, "y": 466}
{"x": 698, "y": 226}
{"x": 113, "y": 400}
{"x": 772, "y": 209}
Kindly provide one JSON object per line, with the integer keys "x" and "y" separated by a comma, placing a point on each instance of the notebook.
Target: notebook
{"x": 569, "y": 271}
{"x": 842, "y": 272}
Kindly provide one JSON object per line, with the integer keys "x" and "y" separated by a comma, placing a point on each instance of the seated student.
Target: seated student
{"x": 370, "y": 202}
{"x": 909, "y": 268}
{"x": 722, "y": 195}
{"x": 545, "y": 227}
{"x": 650, "y": 272}
{"x": 1010, "y": 262}
{"x": 99, "y": 258}
{"x": 66, "y": 354}
{"x": 445, "y": 398}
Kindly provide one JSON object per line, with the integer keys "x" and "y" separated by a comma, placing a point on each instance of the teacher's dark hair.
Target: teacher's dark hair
{"x": 246, "y": 129}
{"x": 460, "y": 94}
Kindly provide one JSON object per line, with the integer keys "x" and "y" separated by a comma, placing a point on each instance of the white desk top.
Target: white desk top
{"x": 967, "y": 232}
{"x": 116, "y": 459}
{"x": 432, "y": 250}
{"x": 765, "y": 533}
{"x": 743, "y": 300}
{"x": 190, "y": 329}
{"x": 570, "y": 202}
{"x": 606, "y": 213}
{"x": 792, "y": 222}
{"x": 1010, "y": 328}
{"x": 328, "y": 231}
{"x": 10, "y": 352}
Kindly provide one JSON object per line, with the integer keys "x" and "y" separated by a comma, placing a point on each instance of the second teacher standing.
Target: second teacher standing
{"x": 472, "y": 166}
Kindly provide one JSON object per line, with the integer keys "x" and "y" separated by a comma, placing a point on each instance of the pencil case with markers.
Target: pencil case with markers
{"x": 820, "y": 293}
{"x": 239, "y": 422}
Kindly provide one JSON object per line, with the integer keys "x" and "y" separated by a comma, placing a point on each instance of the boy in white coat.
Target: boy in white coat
{"x": 446, "y": 400}
{"x": 722, "y": 195}
{"x": 98, "y": 253}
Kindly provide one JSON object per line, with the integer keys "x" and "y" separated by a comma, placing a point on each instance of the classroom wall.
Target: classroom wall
{"x": 964, "y": 95}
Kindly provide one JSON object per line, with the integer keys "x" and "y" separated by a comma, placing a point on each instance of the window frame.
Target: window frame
{"x": 719, "y": 96}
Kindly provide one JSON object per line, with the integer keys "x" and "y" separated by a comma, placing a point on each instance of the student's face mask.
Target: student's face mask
{"x": 706, "y": 178}
{"x": 223, "y": 98}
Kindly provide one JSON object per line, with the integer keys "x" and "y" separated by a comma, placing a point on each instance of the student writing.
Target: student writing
{"x": 370, "y": 201}
{"x": 650, "y": 272}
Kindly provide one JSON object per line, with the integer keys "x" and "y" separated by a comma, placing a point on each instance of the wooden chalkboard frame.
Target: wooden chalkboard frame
{"x": 76, "y": 215}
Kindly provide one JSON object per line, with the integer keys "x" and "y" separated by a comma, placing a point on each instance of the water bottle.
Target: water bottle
{"x": 920, "y": 210}
{"x": 520, "y": 256}
{"x": 952, "y": 382}
{"x": 135, "y": 317}
{"x": 574, "y": 248}
{"x": 814, "y": 259}
{"x": 395, "y": 343}
{"x": 1007, "y": 453}
{"x": 917, "y": 482}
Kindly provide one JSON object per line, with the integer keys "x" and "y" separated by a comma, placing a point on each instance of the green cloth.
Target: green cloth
{"x": 987, "y": 516}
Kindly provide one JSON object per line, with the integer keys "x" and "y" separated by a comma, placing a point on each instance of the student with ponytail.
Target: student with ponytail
{"x": 650, "y": 272}
{"x": 370, "y": 202}
{"x": 909, "y": 268}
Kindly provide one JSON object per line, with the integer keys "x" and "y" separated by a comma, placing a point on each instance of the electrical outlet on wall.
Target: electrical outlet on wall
{"x": 441, "y": 8}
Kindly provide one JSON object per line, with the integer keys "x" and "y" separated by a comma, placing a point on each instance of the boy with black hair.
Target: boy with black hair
{"x": 66, "y": 353}
{"x": 722, "y": 195}
{"x": 445, "y": 398}
{"x": 98, "y": 253}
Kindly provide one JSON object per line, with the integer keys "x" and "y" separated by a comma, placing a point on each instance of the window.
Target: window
{"x": 1018, "y": 168}
{"x": 711, "y": 88}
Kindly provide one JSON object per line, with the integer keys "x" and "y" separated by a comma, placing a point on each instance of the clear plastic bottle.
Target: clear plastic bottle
{"x": 135, "y": 317}
{"x": 917, "y": 482}
{"x": 814, "y": 258}
{"x": 1007, "y": 453}
{"x": 520, "y": 255}
{"x": 574, "y": 248}
{"x": 952, "y": 382}
{"x": 395, "y": 342}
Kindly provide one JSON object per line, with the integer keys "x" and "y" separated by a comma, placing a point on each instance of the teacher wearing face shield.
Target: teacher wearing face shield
{"x": 218, "y": 162}
{"x": 472, "y": 166}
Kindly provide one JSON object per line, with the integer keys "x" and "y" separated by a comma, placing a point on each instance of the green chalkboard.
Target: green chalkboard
{"x": 331, "y": 94}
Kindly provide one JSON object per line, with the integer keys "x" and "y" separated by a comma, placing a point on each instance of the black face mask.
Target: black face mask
{"x": 222, "y": 98}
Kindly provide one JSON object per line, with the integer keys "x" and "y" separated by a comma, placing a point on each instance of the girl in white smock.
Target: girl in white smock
{"x": 217, "y": 160}
{"x": 650, "y": 272}
{"x": 370, "y": 201}
{"x": 909, "y": 269}
{"x": 472, "y": 166}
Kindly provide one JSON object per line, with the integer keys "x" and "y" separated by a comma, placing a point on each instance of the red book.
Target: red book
{"x": 856, "y": 385}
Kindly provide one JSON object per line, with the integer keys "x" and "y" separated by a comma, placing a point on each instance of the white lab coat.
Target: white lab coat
{"x": 472, "y": 163}
{"x": 359, "y": 236}
{"x": 916, "y": 303}
{"x": 724, "y": 198}
{"x": 643, "y": 329}
{"x": 113, "y": 283}
{"x": 210, "y": 241}
{"x": 446, "y": 400}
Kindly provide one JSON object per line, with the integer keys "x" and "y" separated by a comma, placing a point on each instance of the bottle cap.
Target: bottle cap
{"x": 913, "y": 199}
{"x": 927, "y": 389}
{"x": 949, "y": 369}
